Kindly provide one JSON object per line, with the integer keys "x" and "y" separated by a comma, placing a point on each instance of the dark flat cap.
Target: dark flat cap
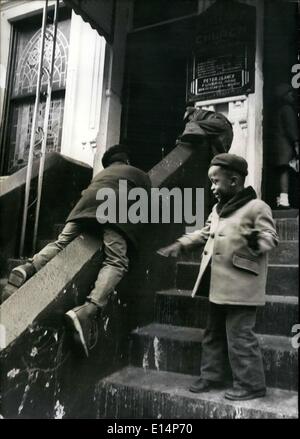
{"x": 231, "y": 161}
{"x": 115, "y": 153}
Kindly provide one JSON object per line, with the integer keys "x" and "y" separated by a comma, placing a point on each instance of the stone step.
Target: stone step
{"x": 284, "y": 214}
{"x": 177, "y": 307}
{"x": 178, "y": 349}
{"x": 134, "y": 393}
{"x": 282, "y": 278}
{"x": 287, "y": 229}
{"x": 287, "y": 252}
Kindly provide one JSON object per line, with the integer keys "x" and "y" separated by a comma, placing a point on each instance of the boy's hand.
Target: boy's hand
{"x": 171, "y": 250}
{"x": 252, "y": 239}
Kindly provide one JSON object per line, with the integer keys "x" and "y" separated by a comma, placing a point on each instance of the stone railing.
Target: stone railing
{"x": 41, "y": 377}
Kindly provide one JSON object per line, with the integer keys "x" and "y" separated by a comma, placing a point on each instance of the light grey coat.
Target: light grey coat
{"x": 238, "y": 273}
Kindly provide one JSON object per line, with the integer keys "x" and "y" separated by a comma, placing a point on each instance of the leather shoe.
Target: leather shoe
{"x": 82, "y": 321}
{"x": 17, "y": 277}
{"x": 202, "y": 385}
{"x": 244, "y": 394}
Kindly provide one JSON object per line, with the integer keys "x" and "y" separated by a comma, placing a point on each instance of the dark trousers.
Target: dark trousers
{"x": 114, "y": 267}
{"x": 230, "y": 335}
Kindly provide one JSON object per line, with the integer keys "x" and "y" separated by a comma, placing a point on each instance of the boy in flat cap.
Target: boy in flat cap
{"x": 215, "y": 127}
{"x": 117, "y": 239}
{"x": 237, "y": 236}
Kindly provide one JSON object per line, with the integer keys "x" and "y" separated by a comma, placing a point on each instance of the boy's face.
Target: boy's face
{"x": 223, "y": 186}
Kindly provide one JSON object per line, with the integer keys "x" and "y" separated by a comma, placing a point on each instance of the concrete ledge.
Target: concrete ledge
{"x": 178, "y": 349}
{"x": 9, "y": 183}
{"x": 287, "y": 228}
{"x": 64, "y": 179}
{"x": 172, "y": 169}
{"x": 287, "y": 252}
{"x": 47, "y": 288}
{"x": 289, "y": 213}
{"x": 137, "y": 394}
{"x": 41, "y": 374}
{"x": 177, "y": 307}
{"x": 282, "y": 279}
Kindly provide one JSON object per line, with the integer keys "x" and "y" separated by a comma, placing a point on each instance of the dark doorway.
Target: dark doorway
{"x": 155, "y": 90}
{"x": 281, "y": 40}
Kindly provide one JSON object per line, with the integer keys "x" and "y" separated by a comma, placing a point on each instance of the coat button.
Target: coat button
{"x": 205, "y": 252}
{"x": 212, "y": 235}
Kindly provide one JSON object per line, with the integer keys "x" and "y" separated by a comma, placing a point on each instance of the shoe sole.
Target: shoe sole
{"x": 206, "y": 390}
{"x": 17, "y": 277}
{"x": 200, "y": 391}
{"x": 253, "y": 396}
{"x": 75, "y": 325}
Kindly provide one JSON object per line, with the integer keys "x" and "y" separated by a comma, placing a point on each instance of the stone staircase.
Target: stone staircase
{"x": 165, "y": 355}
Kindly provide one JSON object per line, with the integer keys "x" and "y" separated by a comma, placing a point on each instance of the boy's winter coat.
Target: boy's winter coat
{"x": 238, "y": 273}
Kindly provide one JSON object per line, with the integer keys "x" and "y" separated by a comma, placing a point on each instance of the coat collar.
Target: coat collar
{"x": 239, "y": 200}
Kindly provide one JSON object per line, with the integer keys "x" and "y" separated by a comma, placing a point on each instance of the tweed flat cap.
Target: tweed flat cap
{"x": 115, "y": 153}
{"x": 231, "y": 161}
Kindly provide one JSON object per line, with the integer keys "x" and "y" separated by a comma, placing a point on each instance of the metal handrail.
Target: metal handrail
{"x": 33, "y": 129}
{"x": 45, "y": 129}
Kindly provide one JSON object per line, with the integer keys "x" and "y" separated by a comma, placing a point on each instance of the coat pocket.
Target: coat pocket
{"x": 246, "y": 264}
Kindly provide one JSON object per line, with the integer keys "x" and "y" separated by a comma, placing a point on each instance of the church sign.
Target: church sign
{"x": 223, "y": 59}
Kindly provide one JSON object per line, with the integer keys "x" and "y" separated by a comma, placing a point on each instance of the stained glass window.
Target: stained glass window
{"x": 21, "y": 130}
{"x": 27, "y": 67}
{"x": 24, "y": 84}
